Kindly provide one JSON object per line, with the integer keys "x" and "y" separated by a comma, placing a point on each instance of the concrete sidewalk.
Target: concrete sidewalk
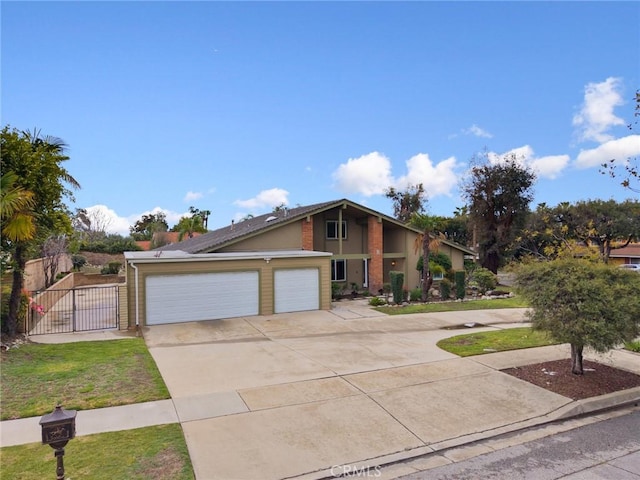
{"x": 313, "y": 394}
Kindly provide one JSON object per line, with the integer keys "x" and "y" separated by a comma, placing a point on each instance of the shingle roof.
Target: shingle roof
{"x": 238, "y": 230}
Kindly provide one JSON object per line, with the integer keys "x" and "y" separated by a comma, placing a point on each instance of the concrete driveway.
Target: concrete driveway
{"x": 314, "y": 394}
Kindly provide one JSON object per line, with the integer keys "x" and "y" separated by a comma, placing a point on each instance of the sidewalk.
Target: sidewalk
{"x": 296, "y": 395}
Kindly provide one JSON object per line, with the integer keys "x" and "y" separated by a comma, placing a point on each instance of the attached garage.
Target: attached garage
{"x": 174, "y": 286}
{"x": 296, "y": 290}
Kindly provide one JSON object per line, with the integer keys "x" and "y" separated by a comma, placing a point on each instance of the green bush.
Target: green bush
{"x": 460, "y": 284}
{"x": 397, "y": 281}
{"x": 415, "y": 295}
{"x": 111, "y": 244}
{"x": 78, "y": 261}
{"x": 376, "y": 302}
{"x": 485, "y": 279}
{"x": 336, "y": 290}
{"x": 445, "y": 289}
{"x": 111, "y": 268}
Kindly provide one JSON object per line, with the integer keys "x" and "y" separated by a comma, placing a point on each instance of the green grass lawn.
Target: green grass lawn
{"x": 158, "y": 452}
{"x": 513, "y": 302}
{"x": 494, "y": 341}
{"x": 79, "y": 376}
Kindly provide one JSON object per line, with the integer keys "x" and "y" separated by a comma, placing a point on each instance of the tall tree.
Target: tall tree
{"x": 149, "y": 224}
{"x": 407, "y": 202}
{"x": 498, "y": 196}
{"x": 425, "y": 243}
{"x": 582, "y": 303}
{"x": 36, "y": 160}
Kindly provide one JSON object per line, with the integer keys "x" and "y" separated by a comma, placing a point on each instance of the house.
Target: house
{"x": 283, "y": 261}
{"x": 162, "y": 238}
{"x": 367, "y": 247}
{"x": 628, "y": 254}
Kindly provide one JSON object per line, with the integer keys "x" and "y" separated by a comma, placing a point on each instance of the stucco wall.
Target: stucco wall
{"x": 34, "y": 273}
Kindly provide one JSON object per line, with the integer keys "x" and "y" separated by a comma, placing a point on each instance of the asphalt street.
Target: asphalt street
{"x": 609, "y": 449}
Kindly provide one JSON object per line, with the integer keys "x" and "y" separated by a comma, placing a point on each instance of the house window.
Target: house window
{"x": 332, "y": 229}
{"x": 338, "y": 270}
{"x": 438, "y": 276}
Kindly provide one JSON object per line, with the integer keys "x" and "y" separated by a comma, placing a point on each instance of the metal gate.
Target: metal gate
{"x": 73, "y": 310}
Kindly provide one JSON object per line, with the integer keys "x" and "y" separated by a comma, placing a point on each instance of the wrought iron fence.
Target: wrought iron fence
{"x": 73, "y": 310}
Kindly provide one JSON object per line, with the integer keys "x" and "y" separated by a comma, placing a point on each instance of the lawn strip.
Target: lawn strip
{"x": 79, "y": 376}
{"x": 158, "y": 452}
{"x": 479, "y": 343}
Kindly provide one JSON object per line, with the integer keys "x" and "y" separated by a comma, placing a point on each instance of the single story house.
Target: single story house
{"x": 308, "y": 248}
{"x": 628, "y": 254}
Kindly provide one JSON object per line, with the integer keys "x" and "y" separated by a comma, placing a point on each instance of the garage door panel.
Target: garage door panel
{"x": 203, "y": 296}
{"x": 296, "y": 290}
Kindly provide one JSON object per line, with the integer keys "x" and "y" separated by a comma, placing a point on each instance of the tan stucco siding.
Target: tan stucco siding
{"x": 456, "y": 256}
{"x": 356, "y": 241}
{"x": 287, "y": 237}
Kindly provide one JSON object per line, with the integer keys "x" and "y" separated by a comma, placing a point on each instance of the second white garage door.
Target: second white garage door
{"x": 201, "y": 296}
{"x": 296, "y": 290}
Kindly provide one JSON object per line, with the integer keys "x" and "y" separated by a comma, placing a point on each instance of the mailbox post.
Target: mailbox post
{"x": 58, "y": 427}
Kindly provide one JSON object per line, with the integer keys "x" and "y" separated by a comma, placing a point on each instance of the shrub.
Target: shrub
{"x": 336, "y": 290}
{"x": 78, "y": 261}
{"x": 485, "y": 279}
{"x": 111, "y": 268}
{"x": 445, "y": 289}
{"x": 415, "y": 295}
{"x": 376, "y": 302}
{"x": 397, "y": 280}
{"x": 460, "y": 284}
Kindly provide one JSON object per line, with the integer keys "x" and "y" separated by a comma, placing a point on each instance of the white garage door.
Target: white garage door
{"x": 296, "y": 290}
{"x": 201, "y": 296}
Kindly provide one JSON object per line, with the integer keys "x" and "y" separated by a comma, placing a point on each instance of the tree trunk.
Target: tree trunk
{"x": 16, "y": 290}
{"x": 576, "y": 359}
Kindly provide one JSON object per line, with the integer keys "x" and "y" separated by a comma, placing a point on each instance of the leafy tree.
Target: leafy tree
{"x": 188, "y": 225}
{"x": 582, "y": 303}
{"x": 498, "y": 196}
{"x": 92, "y": 225}
{"x": 606, "y": 224}
{"x": 425, "y": 243}
{"x": 631, "y": 175}
{"x": 149, "y": 224}
{"x": 36, "y": 161}
{"x": 407, "y": 203}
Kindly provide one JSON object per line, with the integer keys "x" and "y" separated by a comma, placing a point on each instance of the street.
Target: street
{"x": 608, "y": 449}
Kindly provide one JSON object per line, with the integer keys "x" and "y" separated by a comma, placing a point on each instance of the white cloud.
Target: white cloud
{"x": 620, "y": 149}
{"x": 190, "y": 196}
{"x": 596, "y": 115}
{"x": 367, "y": 175}
{"x": 477, "y": 131}
{"x": 437, "y": 179}
{"x": 545, "y": 167}
{"x": 120, "y": 225}
{"x": 266, "y": 198}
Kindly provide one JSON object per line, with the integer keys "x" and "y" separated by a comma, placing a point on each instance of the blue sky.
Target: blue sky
{"x": 237, "y": 107}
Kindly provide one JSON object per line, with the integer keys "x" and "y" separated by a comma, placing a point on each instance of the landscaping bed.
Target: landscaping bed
{"x": 556, "y": 376}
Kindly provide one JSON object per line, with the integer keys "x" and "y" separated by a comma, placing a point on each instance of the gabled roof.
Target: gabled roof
{"x": 235, "y": 232}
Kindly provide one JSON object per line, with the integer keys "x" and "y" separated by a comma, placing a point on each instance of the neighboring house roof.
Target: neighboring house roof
{"x": 235, "y": 232}
{"x": 165, "y": 237}
{"x": 630, "y": 251}
{"x": 144, "y": 244}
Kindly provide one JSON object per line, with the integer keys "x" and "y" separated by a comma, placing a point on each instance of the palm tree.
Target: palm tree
{"x": 16, "y": 212}
{"x": 425, "y": 242}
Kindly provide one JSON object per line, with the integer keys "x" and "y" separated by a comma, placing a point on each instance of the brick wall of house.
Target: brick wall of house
{"x": 307, "y": 234}
{"x": 375, "y": 251}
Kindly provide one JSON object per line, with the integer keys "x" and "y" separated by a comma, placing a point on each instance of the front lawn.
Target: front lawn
{"x": 512, "y": 302}
{"x": 495, "y": 341}
{"x": 79, "y": 376}
{"x": 158, "y": 452}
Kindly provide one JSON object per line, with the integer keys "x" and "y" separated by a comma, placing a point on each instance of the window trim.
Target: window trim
{"x": 334, "y": 263}
{"x": 335, "y": 222}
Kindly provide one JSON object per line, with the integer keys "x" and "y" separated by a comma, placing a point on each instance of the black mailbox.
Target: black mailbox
{"x": 58, "y": 427}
